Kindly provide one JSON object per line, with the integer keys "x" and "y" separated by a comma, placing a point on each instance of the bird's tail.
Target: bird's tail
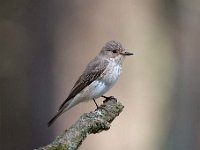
{"x": 60, "y": 112}
{"x": 64, "y": 108}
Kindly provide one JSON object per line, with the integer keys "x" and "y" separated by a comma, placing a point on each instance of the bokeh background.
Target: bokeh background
{"x": 44, "y": 46}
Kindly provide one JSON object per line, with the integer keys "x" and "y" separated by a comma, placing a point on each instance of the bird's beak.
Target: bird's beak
{"x": 126, "y": 53}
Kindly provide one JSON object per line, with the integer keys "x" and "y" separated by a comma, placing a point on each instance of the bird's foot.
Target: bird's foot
{"x": 107, "y": 98}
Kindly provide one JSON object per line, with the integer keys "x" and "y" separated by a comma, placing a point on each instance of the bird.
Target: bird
{"x": 99, "y": 76}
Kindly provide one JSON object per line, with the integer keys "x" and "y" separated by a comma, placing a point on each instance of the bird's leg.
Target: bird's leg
{"x": 95, "y": 103}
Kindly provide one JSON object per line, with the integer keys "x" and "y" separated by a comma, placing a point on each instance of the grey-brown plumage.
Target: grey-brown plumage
{"x": 99, "y": 76}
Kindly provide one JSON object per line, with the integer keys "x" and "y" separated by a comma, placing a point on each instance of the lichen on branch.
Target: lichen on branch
{"x": 93, "y": 122}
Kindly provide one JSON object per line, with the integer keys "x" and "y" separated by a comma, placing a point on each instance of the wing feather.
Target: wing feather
{"x": 93, "y": 71}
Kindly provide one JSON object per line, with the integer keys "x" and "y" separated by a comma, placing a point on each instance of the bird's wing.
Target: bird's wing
{"x": 93, "y": 70}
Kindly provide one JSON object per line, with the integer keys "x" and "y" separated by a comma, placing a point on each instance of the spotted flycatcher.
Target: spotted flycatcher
{"x": 99, "y": 76}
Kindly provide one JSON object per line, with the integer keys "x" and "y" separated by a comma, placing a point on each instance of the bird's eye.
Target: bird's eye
{"x": 114, "y": 51}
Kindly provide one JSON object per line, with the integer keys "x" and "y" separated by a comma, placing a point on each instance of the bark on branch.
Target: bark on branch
{"x": 93, "y": 122}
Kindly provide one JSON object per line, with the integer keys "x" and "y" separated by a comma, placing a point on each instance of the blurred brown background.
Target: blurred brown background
{"x": 44, "y": 46}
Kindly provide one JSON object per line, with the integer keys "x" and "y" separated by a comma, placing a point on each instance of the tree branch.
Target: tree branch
{"x": 93, "y": 122}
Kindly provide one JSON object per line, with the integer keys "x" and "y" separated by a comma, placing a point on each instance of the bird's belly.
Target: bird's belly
{"x": 100, "y": 86}
{"x": 97, "y": 88}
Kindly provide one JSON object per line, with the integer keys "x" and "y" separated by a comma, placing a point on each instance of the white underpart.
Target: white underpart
{"x": 98, "y": 87}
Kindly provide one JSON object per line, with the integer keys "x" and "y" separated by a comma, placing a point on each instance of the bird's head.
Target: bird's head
{"x": 114, "y": 50}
